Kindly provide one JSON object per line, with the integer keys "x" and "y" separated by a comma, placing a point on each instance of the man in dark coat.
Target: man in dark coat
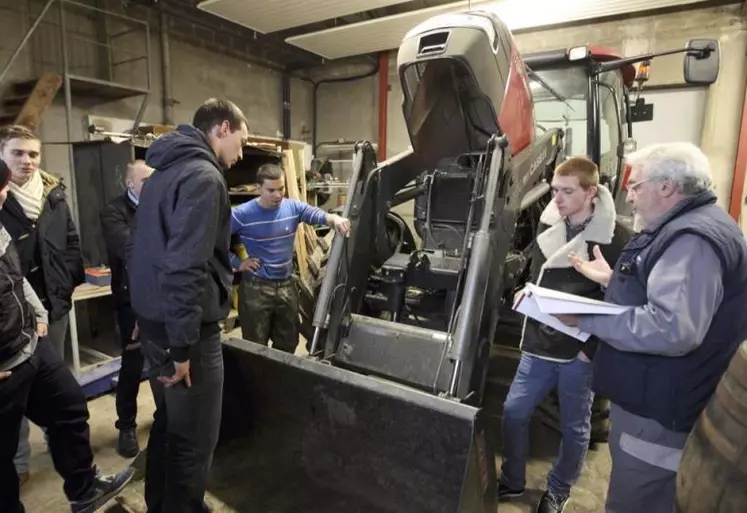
{"x": 180, "y": 286}
{"x": 580, "y": 219}
{"x": 34, "y": 381}
{"x": 37, "y": 217}
{"x": 116, "y": 220}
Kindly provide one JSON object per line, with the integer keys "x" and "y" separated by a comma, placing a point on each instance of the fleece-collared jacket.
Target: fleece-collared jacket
{"x": 48, "y": 248}
{"x": 551, "y": 268}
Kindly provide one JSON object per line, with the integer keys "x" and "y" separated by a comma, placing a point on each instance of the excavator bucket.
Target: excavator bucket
{"x": 301, "y": 435}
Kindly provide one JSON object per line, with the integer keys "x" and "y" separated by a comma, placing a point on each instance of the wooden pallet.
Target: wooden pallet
{"x": 306, "y": 238}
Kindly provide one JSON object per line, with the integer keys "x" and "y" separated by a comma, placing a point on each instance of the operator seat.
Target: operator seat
{"x": 440, "y": 215}
{"x": 440, "y": 219}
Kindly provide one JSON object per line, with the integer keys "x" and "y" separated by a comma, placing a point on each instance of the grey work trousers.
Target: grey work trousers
{"x": 56, "y": 336}
{"x": 645, "y": 458}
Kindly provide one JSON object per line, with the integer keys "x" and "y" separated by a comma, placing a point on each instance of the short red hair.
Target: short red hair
{"x": 582, "y": 168}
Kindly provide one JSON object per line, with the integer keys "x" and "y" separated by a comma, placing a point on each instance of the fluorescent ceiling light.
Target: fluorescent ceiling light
{"x": 266, "y": 16}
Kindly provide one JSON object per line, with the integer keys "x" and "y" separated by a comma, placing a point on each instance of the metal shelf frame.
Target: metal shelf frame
{"x": 74, "y": 83}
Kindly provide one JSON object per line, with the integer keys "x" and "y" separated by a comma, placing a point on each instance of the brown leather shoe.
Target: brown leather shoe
{"x": 23, "y": 478}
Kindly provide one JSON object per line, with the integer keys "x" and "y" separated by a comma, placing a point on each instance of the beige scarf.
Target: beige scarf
{"x": 30, "y": 195}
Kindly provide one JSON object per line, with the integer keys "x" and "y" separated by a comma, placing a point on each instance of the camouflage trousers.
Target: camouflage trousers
{"x": 268, "y": 310}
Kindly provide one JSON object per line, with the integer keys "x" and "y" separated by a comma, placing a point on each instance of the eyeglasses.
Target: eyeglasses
{"x": 633, "y": 186}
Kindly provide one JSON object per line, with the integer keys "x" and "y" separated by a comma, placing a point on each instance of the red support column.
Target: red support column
{"x": 383, "y": 103}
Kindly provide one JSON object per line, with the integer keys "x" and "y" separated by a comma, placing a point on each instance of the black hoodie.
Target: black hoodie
{"x": 178, "y": 254}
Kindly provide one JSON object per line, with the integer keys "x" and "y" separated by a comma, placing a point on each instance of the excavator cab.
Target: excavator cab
{"x": 590, "y": 109}
{"x": 593, "y": 94}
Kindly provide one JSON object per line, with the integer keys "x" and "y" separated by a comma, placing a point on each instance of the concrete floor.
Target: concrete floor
{"x": 43, "y": 493}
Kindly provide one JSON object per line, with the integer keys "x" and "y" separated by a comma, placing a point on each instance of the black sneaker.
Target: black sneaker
{"x": 104, "y": 489}
{"x": 550, "y": 503}
{"x": 128, "y": 446}
{"x": 505, "y": 493}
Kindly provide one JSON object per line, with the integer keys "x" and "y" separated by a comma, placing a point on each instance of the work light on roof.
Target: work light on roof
{"x": 578, "y": 53}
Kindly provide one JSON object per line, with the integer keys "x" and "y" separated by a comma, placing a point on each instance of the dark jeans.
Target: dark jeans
{"x": 268, "y": 310}
{"x": 186, "y": 422}
{"x": 56, "y": 337}
{"x": 534, "y": 380}
{"x": 44, "y": 390}
{"x": 128, "y": 384}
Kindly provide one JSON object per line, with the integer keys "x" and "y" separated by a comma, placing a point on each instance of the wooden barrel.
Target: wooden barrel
{"x": 712, "y": 477}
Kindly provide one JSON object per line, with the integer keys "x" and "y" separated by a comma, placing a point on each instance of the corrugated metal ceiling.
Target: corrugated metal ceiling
{"x": 387, "y": 32}
{"x": 267, "y": 16}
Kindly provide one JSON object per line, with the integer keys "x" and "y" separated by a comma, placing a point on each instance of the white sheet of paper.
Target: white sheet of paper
{"x": 555, "y": 302}
{"x": 527, "y": 305}
{"x": 542, "y": 304}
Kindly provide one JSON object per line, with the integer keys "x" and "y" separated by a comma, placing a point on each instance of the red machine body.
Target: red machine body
{"x": 516, "y": 116}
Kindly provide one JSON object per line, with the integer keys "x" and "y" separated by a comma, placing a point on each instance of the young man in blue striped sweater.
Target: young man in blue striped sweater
{"x": 266, "y": 226}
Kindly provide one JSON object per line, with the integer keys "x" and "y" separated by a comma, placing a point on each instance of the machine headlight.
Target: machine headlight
{"x": 578, "y": 53}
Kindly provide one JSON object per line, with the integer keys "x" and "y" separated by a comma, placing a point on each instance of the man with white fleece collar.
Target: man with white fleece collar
{"x": 38, "y": 219}
{"x": 37, "y": 216}
{"x": 581, "y": 219}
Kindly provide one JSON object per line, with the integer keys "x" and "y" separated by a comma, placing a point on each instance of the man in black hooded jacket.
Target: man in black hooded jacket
{"x": 180, "y": 282}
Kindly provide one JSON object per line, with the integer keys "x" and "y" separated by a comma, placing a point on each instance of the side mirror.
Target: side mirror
{"x": 702, "y": 61}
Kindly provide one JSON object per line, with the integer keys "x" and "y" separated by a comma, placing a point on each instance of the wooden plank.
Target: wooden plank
{"x": 39, "y": 99}
{"x": 301, "y": 256}
{"x": 285, "y": 144}
{"x": 157, "y": 129}
{"x": 291, "y": 182}
{"x": 301, "y": 172}
{"x": 316, "y": 258}
{"x": 314, "y": 268}
{"x": 311, "y": 236}
{"x": 291, "y": 185}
